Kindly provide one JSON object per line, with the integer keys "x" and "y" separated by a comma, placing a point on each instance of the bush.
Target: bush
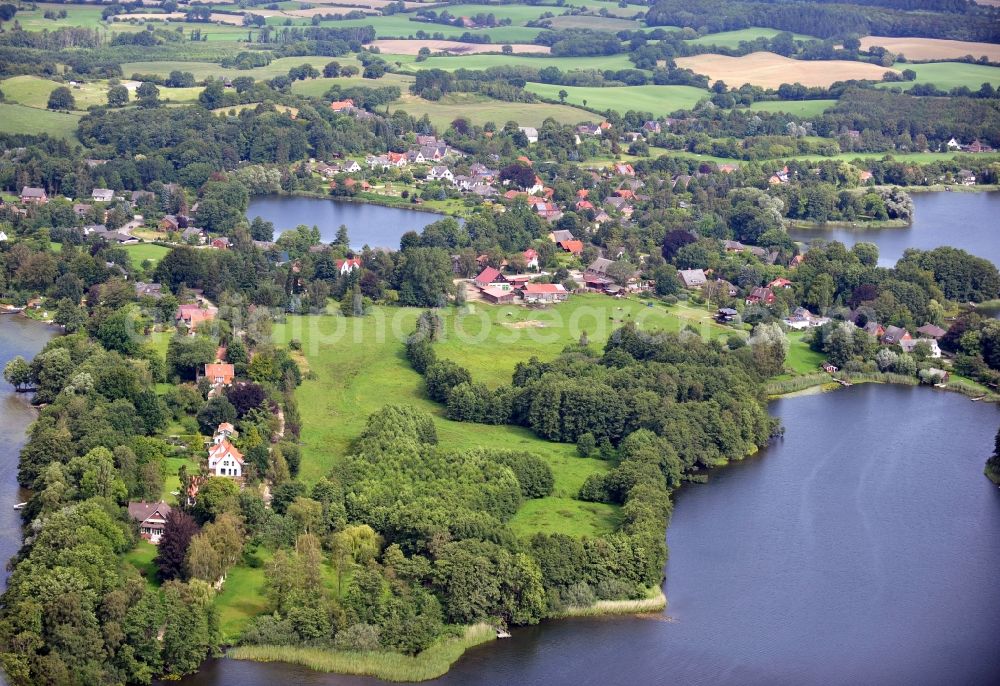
{"x": 586, "y": 445}
{"x": 578, "y": 595}
{"x": 359, "y": 638}
{"x": 595, "y": 489}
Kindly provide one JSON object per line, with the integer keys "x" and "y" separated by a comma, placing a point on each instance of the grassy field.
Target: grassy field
{"x": 800, "y": 108}
{"x": 34, "y": 91}
{"x": 732, "y": 39}
{"x": 357, "y": 365}
{"x": 202, "y": 70}
{"x": 948, "y": 75}
{"x": 932, "y": 48}
{"x": 452, "y": 63}
{"x": 660, "y": 100}
{"x": 399, "y": 26}
{"x": 317, "y": 87}
{"x": 243, "y": 597}
{"x": 801, "y": 359}
{"x": 479, "y": 110}
{"x": 770, "y": 70}
{"x": 146, "y": 251}
{"x": 21, "y": 119}
{"x": 584, "y": 21}
{"x": 141, "y": 557}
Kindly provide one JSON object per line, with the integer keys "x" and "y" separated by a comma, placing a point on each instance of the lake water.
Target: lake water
{"x": 18, "y": 336}
{"x": 970, "y": 221}
{"x": 862, "y": 548}
{"x": 372, "y": 225}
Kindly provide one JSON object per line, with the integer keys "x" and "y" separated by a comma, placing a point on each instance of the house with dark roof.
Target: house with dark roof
{"x": 930, "y": 331}
{"x": 692, "y": 278}
{"x": 894, "y": 335}
{"x": 761, "y": 295}
{"x": 30, "y": 194}
{"x": 151, "y": 517}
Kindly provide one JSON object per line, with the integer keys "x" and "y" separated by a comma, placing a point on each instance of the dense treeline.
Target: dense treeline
{"x": 662, "y": 406}
{"x": 883, "y": 116}
{"x": 826, "y": 20}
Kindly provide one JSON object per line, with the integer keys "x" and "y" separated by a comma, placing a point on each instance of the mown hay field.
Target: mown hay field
{"x": 932, "y": 48}
{"x": 770, "y": 70}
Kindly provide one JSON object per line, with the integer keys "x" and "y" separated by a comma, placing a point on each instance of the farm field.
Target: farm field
{"x": 932, "y": 48}
{"x": 202, "y": 70}
{"x": 28, "y": 120}
{"x": 484, "y": 61}
{"x": 33, "y": 91}
{"x": 660, "y": 100}
{"x": 948, "y": 75}
{"x": 732, "y": 39}
{"x": 584, "y": 21}
{"x": 399, "y": 26}
{"x": 317, "y": 87}
{"x": 770, "y": 70}
{"x": 800, "y": 108}
{"x": 479, "y": 110}
{"x": 412, "y": 47}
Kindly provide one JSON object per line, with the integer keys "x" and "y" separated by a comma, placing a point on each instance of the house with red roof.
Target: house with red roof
{"x": 544, "y": 292}
{"x": 341, "y": 106}
{"x": 575, "y": 247}
{"x": 191, "y": 315}
{"x": 623, "y": 169}
{"x": 491, "y": 278}
{"x": 349, "y": 265}
{"x": 220, "y": 374}
{"x": 225, "y": 460}
{"x": 531, "y": 258}
{"x": 761, "y": 295}
{"x": 780, "y": 282}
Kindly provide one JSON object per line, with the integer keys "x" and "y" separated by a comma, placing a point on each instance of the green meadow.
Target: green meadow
{"x": 34, "y": 91}
{"x": 140, "y": 252}
{"x": 660, "y": 100}
{"x": 732, "y": 39}
{"x": 28, "y": 120}
{"x": 800, "y": 108}
{"x": 947, "y": 75}
{"x": 202, "y": 70}
{"x": 451, "y": 63}
{"x": 479, "y": 109}
{"x": 400, "y": 26}
{"x": 354, "y": 366}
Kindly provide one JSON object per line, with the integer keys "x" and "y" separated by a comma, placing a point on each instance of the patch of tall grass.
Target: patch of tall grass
{"x": 655, "y": 603}
{"x": 429, "y": 664}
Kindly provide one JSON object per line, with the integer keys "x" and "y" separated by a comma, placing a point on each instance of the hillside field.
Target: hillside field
{"x": 948, "y": 75}
{"x": 770, "y": 70}
{"x": 479, "y": 109}
{"x": 800, "y": 108}
{"x": 932, "y": 48}
{"x": 732, "y": 39}
{"x": 28, "y": 120}
{"x": 660, "y": 100}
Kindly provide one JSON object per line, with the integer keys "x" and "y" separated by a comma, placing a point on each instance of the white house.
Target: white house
{"x": 225, "y": 460}
{"x": 102, "y": 195}
{"x": 349, "y": 265}
{"x": 531, "y": 258}
{"x": 3, "y": 236}
{"x": 438, "y": 173}
{"x": 910, "y": 345}
{"x": 350, "y": 166}
{"x": 530, "y": 132}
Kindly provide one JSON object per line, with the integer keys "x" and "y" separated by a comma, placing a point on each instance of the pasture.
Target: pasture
{"x": 452, "y": 63}
{"x": 28, "y": 120}
{"x": 948, "y": 75}
{"x": 412, "y": 47}
{"x": 203, "y": 70}
{"x": 770, "y": 70}
{"x": 932, "y": 48}
{"x": 799, "y": 108}
{"x": 400, "y": 26}
{"x": 34, "y": 91}
{"x": 317, "y": 87}
{"x": 586, "y": 21}
{"x": 732, "y": 39}
{"x": 660, "y": 100}
{"x": 479, "y": 109}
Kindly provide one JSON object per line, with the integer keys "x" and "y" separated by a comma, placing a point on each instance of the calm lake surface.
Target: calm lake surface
{"x": 861, "y": 548}
{"x": 372, "y": 225}
{"x": 18, "y": 336}
{"x": 970, "y": 221}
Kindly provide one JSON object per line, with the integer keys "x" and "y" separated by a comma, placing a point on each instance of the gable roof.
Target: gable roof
{"x": 218, "y": 451}
{"x": 533, "y": 288}
{"x": 489, "y": 275}
{"x": 141, "y": 511}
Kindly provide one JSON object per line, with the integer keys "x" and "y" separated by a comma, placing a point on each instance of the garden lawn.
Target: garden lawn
{"x": 138, "y": 252}
{"x": 801, "y": 359}
{"x": 28, "y": 120}
{"x": 799, "y": 108}
{"x": 141, "y": 557}
{"x": 242, "y": 598}
{"x": 660, "y": 100}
